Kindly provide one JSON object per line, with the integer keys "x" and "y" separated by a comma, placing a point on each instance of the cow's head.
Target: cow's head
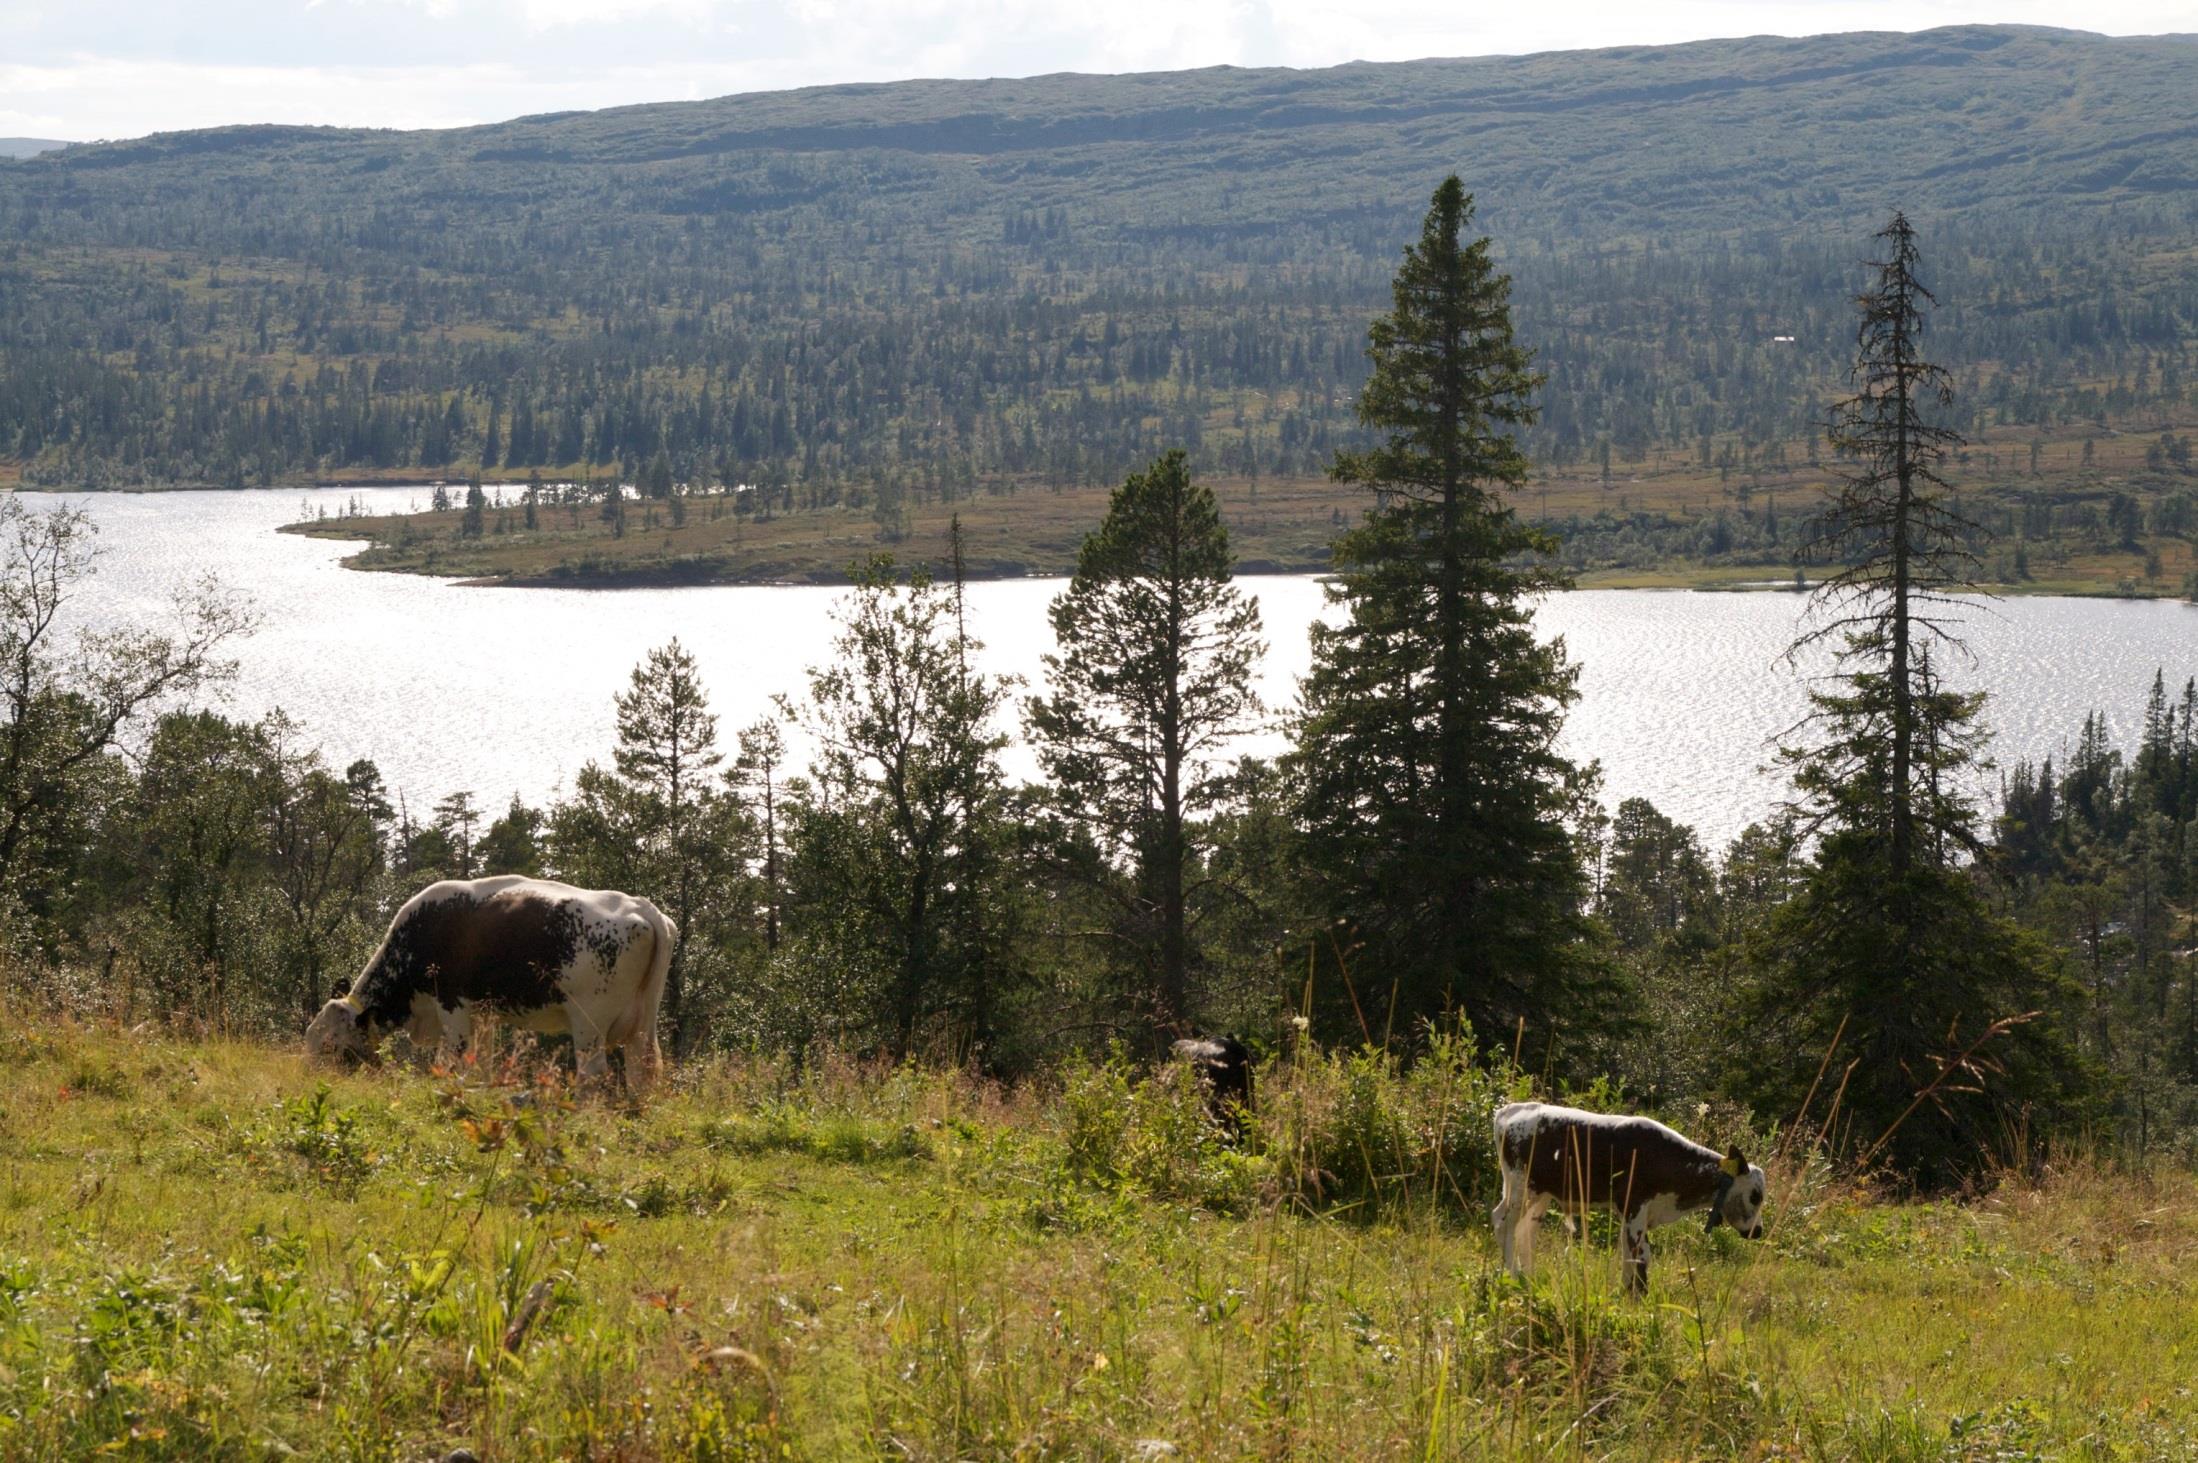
{"x": 1739, "y": 1200}
{"x": 340, "y": 1031}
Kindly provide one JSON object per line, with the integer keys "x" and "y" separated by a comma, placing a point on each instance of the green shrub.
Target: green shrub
{"x": 329, "y": 1139}
{"x": 1152, "y": 1136}
{"x": 1363, "y": 1132}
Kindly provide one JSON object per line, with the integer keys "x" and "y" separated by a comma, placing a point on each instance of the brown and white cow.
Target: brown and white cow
{"x": 540, "y": 955}
{"x": 1646, "y": 1173}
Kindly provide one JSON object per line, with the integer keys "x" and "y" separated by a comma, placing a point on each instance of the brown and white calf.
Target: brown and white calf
{"x": 1646, "y": 1173}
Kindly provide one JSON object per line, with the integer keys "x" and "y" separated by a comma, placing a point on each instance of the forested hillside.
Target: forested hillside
{"x": 872, "y": 294}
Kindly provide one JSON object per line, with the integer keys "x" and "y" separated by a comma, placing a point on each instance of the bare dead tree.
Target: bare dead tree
{"x": 68, "y": 697}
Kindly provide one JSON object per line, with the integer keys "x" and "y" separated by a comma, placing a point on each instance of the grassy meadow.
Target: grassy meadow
{"x": 210, "y": 1250}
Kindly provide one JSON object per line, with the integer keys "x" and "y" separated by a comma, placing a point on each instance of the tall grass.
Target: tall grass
{"x": 209, "y": 1249}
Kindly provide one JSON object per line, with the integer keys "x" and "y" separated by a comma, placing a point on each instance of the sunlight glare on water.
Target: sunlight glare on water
{"x": 508, "y": 691}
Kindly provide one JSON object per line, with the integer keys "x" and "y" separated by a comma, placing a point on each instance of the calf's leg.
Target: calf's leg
{"x": 1505, "y": 1216}
{"x": 1634, "y": 1264}
{"x": 1528, "y": 1220}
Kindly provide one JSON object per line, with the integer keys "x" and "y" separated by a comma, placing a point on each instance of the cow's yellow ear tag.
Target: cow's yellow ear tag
{"x": 1731, "y": 1166}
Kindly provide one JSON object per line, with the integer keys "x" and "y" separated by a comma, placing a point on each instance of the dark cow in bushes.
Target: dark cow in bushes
{"x": 539, "y": 955}
{"x": 1224, "y": 1068}
{"x": 1643, "y": 1171}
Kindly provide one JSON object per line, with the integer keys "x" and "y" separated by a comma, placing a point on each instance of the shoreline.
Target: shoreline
{"x": 1680, "y": 581}
{"x": 705, "y": 572}
{"x": 800, "y": 569}
{"x": 679, "y": 577}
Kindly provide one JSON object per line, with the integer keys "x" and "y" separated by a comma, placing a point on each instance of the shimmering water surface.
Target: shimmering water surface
{"x": 508, "y": 691}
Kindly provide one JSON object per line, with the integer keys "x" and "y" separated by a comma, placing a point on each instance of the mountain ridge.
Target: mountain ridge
{"x": 2011, "y": 107}
{"x": 1982, "y": 38}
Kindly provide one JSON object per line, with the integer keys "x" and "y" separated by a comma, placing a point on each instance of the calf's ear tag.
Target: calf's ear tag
{"x": 1731, "y": 1166}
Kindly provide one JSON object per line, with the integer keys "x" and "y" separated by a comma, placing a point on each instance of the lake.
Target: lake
{"x": 508, "y": 691}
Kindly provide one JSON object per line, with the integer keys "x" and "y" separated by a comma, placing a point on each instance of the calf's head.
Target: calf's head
{"x": 1739, "y": 1200}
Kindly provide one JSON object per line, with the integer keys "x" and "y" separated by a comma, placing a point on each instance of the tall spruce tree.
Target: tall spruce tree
{"x": 1888, "y": 957}
{"x": 1434, "y": 797}
{"x": 1151, "y": 678}
{"x": 1902, "y": 550}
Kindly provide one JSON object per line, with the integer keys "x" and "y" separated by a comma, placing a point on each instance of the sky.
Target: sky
{"x": 84, "y": 69}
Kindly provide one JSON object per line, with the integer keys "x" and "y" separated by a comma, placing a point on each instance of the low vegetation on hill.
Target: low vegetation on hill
{"x": 210, "y": 1250}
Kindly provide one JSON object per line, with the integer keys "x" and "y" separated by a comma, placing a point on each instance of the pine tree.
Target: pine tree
{"x": 512, "y": 844}
{"x": 2155, "y": 770}
{"x": 1893, "y": 527}
{"x": 455, "y": 819}
{"x": 1434, "y": 798}
{"x": 1888, "y": 956}
{"x": 667, "y": 751}
{"x": 474, "y": 520}
{"x": 1152, "y": 676}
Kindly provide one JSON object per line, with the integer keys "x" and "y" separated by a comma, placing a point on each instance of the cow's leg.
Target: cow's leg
{"x": 592, "y": 1041}
{"x": 1506, "y": 1212}
{"x": 1634, "y": 1264}
{"x": 589, "y": 1060}
{"x": 457, "y": 1033}
{"x": 643, "y": 1058}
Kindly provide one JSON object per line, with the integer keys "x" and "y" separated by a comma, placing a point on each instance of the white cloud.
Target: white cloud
{"x": 537, "y": 14}
{"x": 110, "y": 99}
{"x": 120, "y": 68}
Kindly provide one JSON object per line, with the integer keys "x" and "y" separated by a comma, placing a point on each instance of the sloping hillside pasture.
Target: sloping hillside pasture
{"x": 210, "y": 1249}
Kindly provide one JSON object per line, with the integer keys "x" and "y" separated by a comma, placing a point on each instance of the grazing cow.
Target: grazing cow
{"x": 1644, "y": 1171}
{"x": 541, "y": 955}
{"x": 1224, "y": 1068}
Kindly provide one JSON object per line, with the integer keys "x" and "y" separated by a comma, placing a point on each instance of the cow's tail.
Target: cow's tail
{"x": 642, "y": 1043}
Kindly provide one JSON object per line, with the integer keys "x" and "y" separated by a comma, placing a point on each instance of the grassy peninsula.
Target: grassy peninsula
{"x": 2104, "y": 514}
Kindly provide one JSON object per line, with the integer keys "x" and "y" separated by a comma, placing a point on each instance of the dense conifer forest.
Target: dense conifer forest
{"x": 878, "y": 295}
